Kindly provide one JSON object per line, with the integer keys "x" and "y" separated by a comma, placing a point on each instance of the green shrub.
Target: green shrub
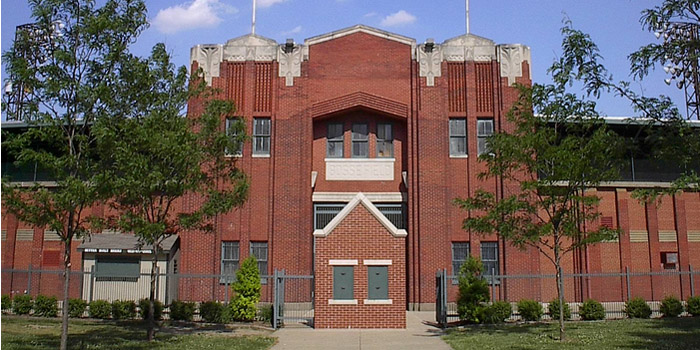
{"x": 592, "y": 310}
{"x": 76, "y": 307}
{"x": 246, "y": 291}
{"x": 554, "y": 309}
{"x": 100, "y": 309}
{"x": 473, "y": 291}
{"x": 45, "y": 306}
{"x": 637, "y": 308}
{"x": 693, "y": 306}
{"x": 157, "y": 309}
{"x": 265, "y": 313}
{"x": 123, "y": 309}
{"x": 530, "y": 310}
{"x": 22, "y": 304}
{"x": 212, "y": 311}
{"x": 182, "y": 310}
{"x": 6, "y": 302}
{"x": 671, "y": 306}
{"x": 497, "y": 312}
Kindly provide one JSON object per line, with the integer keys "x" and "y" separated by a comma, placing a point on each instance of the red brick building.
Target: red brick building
{"x": 362, "y": 110}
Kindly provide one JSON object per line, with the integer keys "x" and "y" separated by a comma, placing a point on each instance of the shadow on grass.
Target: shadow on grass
{"x": 673, "y": 333}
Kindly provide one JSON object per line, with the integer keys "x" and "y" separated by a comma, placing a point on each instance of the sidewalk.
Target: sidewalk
{"x": 417, "y": 335}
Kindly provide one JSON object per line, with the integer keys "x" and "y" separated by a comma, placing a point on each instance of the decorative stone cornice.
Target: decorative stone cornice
{"x": 250, "y": 47}
{"x": 357, "y": 200}
{"x": 429, "y": 62}
{"x": 290, "y": 62}
{"x": 208, "y": 57}
{"x": 469, "y": 47}
{"x": 510, "y": 58}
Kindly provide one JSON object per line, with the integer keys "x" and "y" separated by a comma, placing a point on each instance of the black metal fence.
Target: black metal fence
{"x": 612, "y": 290}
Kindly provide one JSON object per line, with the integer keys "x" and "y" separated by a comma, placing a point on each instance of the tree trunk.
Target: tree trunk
{"x": 560, "y": 294}
{"x": 152, "y": 297}
{"x": 66, "y": 287}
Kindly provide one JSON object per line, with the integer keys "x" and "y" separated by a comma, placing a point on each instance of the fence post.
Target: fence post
{"x": 493, "y": 285}
{"x": 627, "y": 277}
{"x": 92, "y": 283}
{"x": 275, "y": 300}
{"x": 692, "y": 281}
{"x": 29, "y": 281}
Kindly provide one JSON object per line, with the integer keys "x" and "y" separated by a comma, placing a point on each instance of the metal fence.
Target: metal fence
{"x": 611, "y": 289}
{"x": 293, "y": 300}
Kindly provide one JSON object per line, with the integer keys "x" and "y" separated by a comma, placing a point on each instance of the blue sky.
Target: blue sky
{"x": 613, "y": 25}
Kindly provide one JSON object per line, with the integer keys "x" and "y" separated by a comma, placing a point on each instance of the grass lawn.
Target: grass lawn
{"x": 38, "y": 333}
{"x": 667, "y": 334}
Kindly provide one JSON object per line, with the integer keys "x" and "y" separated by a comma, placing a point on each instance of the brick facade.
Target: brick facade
{"x": 364, "y": 75}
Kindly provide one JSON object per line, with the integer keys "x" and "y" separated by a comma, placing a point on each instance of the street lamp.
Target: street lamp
{"x": 681, "y": 41}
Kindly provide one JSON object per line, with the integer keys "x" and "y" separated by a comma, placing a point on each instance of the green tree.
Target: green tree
{"x": 246, "y": 291}
{"x": 153, "y": 156}
{"x": 63, "y": 64}
{"x": 473, "y": 291}
{"x": 558, "y": 150}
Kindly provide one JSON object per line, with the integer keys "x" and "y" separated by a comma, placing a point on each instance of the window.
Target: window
{"x": 261, "y": 136}
{"x": 385, "y": 140}
{"x": 325, "y": 212}
{"x": 230, "y": 258}
{"x": 484, "y": 129}
{"x": 117, "y": 268}
{"x": 334, "y": 139}
{"x": 460, "y": 253}
{"x": 378, "y": 282}
{"x": 343, "y": 282}
{"x": 259, "y": 251}
{"x": 232, "y": 131}
{"x": 458, "y": 136}
{"x": 360, "y": 141}
{"x": 394, "y": 212}
{"x": 489, "y": 257}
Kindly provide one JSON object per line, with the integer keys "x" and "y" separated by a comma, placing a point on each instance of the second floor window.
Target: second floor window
{"x": 385, "y": 141}
{"x": 484, "y": 129}
{"x": 232, "y": 132}
{"x": 458, "y": 136}
{"x": 360, "y": 140}
{"x": 261, "y": 136}
{"x": 334, "y": 146}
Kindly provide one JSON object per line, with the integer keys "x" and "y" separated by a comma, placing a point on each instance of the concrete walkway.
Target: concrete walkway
{"x": 417, "y": 335}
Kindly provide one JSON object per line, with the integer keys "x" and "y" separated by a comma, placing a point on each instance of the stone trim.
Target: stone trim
{"x": 341, "y": 262}
{"x": 348, "y": 196}
{"x": 342, "y": 302}
{"x": 377, "y": 262}
{"x": 378, "y": 302}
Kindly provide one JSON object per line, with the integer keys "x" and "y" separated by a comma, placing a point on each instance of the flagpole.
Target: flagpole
{"x": 252, "y": 30}
{"x": 467, "y": 14}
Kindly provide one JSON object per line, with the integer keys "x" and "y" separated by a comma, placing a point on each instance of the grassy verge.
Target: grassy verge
{"x": 37, "y": 334}
{"x": 667, "y": 334}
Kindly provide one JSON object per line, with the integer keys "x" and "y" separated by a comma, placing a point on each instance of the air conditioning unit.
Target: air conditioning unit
{"x": 669, "y": 258}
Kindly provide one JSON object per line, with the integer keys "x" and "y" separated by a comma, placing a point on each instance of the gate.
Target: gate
{"x": 293, "y": 300}
{"x": 441, "y": 298}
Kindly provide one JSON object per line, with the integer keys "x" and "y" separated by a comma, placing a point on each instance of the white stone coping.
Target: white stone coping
{"x": 342, "y": 262}
{"x": 360, "y": 198}
{"x": 348, "y": 196}
{"x": 378, "y": 302}
{"x": 342, "y": 302}
{"x": 377, "y": 262}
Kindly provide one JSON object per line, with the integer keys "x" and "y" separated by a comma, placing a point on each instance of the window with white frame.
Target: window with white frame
{"x": 232, "y": 132}
{"x": 489, "y": 257}
{"x": 230, "y": 259}
{"x": 334, "y": 140}
{"x": 458, "y": 137}
{"x": 360, "y": 140}
{"x": 484, "y": 129}
{"x": 385, "y": 140}
{"x": 261, "y": 136}
{"x": 460, "y": 254}
{"x": 259, "y": 251}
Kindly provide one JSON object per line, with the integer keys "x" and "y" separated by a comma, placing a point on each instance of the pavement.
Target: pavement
{"x": 420, "y": 333}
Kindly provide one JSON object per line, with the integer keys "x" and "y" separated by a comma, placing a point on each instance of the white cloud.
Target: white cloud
{"x": 371, "y": 14}
{"x": 268, "y": 3}
{"x": 190, "y": 15}
{"x": 296, "y": 30}
{"x": 399, "y": 18}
